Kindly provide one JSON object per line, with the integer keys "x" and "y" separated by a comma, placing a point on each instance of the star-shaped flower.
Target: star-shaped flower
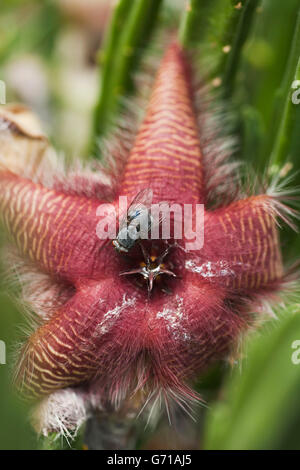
{"x": 102, "y": 334}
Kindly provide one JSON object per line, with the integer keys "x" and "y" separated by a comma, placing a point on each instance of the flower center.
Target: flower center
{"x": 153, "y": 267}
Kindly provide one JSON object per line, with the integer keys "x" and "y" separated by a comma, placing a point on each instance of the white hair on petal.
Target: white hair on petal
{"x": 62, "y": 412}
{"x": 283, "y": 200}
{"x": 40, "y": 294}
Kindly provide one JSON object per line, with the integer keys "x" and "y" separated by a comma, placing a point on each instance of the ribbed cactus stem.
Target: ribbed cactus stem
{"x": 131, "y": 27}
{"x": 287, "y": 124}
{"x": 243, "y": 28}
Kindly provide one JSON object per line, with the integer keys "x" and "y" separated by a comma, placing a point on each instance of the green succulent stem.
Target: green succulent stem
{"x": 237, "y": 421}
{"x": 234, "y": 30}
{"x": 280, "y": 151}
{"x": 189, "y": 19}
{"x": 130, "y": 29}
{"x": 242, "y": 24}
{"x": 193, "y": 25}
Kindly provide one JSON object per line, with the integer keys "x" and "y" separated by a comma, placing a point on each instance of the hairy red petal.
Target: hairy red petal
{"x": 53, "y": 229}
{"x": 107, "y": 328}
{"x": 166, "y": 155}
{"x": 243, "y": 238}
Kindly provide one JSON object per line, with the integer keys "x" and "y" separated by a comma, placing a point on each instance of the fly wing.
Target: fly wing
{"x": 139, "y": 212}
{"x": 140, "y": 201}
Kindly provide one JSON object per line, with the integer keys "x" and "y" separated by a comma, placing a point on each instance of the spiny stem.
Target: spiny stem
{"x": 188, "y": 20}
{"x": 229, "y": 30}
{"x": 191, "y": 28}
{"x": 131, "y": 27}
{"x": 287, "y": 124}
{"x": 243, "y": 26}
{"x": 107, "y": 60}
{"x": 235, "y": 27}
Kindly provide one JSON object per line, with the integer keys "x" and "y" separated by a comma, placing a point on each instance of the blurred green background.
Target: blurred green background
{"x": 249, "y": 50}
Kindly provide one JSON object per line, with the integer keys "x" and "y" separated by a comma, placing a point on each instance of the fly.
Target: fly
{"x": 137, "y": 222}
